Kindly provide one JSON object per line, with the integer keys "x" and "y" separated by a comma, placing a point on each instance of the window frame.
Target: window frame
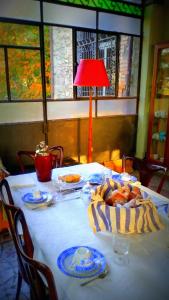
{"x": 6, "y": 62}
{"x": 42, "y": 52}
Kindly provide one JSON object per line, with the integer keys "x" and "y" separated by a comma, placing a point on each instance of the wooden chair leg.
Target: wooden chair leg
{"x": 19, "y": 283}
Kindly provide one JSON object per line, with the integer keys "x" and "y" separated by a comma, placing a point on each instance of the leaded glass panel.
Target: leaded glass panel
{"x": 86, "y": 48}
{"x": 134, "y": 66}
{"x": 25, "y": 74}
{"x": 128, "y": 66}
{"x": 107, "y": 51}
{"x": 59, "y": 62}
{"x": 109, "y": 5}
{"x": 19, "y": 35}
{"x": 3, "y": 88}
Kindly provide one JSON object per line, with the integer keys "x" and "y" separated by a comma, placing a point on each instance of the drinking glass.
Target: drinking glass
{"x": 107, "y": 174}
{"x": 121, "y": 248}
{"x": 58, "y": 186}
{"x": 86, "y": 193}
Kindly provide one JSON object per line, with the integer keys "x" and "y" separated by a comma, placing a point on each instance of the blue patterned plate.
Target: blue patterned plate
{"x": 29, "y": 198}
{"x": 64, "y": 263}
{"x": 163, "y": 209}
{"x": 118, "y": 177}
{"x": 96, "y": 178}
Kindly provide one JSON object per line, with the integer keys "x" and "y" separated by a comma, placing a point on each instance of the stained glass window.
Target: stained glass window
{"x": 59, "y": 62}
{"x": 19, "y": 35}
{"x": 109, "y": 5}
{"x": 3, "y": 88}
{"x": 24, "y": 74}
{"x": 86, "y": 48}
{"x": 107, "y": 51}
{"x": 128, "y": 66}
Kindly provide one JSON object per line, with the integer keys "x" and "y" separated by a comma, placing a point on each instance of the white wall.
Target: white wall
{"x": 20, "y": 9}
{"x": 20, "y": 112}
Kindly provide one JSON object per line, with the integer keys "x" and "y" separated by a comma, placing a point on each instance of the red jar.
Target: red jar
{"x": 43, "y": 166}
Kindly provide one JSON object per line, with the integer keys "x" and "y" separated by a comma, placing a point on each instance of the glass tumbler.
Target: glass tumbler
{"x": 121, "y": 248}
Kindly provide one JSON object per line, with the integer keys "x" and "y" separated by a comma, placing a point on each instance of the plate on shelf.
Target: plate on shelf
{"x": 97, "y": 266}
{"x": 33, "y": 199}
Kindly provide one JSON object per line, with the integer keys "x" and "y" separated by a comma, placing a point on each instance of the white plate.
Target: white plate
{"x": 67, "y": 186}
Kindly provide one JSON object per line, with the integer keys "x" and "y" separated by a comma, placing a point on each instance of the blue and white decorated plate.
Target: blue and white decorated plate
{"x": 96, "y": 178}
{"x": 29, "y": 198}
{"x": 119, "y": 177}
{"x": 163, "y": 210}
{"x": 65, "y": 259}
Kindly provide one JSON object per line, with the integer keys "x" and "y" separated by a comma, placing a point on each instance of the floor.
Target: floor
{"x": 8, "y": 273}
{"x": 165, "y": 189}
{"x": 8, "y": 261}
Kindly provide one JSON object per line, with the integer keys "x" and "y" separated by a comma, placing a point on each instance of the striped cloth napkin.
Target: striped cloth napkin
{"x": 141, "y": 219}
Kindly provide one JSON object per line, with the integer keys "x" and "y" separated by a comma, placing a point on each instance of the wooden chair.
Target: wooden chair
{"x": 40, "y": 289}
{"x": 10, "y": 211}
{"x": 57, "y": 157}
{"x": 146, "y": 171}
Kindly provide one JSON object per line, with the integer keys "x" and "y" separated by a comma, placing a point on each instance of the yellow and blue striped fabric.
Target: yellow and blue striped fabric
{"x": 102, "y": 217}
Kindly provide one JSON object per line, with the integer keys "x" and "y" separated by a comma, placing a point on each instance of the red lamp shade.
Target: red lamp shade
{"x": 91, "y": 72}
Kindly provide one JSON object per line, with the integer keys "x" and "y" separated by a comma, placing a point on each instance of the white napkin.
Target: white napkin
{"x": 20, "y": 181}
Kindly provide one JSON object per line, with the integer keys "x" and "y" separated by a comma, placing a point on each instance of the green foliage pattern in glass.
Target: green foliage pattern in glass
{"x": 19, "y": 35}
{"x": 109, "y": 5}
{"x": 3, "y": 88}
{"x": 25, "y": 74}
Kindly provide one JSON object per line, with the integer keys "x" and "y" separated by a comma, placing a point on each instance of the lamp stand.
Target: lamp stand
{"x": 90, "y": 132}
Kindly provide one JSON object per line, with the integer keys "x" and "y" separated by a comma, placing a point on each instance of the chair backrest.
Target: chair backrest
{"x": 57, "y": 157}
{"x": 147, "y": 170}
{"x": 6, "y": 195}
{"x": 10, "y": 210}
{"x": 24, "y": 154}
{"x": 57, "y": 153}
{"x": 40, "y": 278}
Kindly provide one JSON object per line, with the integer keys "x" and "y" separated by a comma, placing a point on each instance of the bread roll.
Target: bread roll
{"x": 70, "y": 178}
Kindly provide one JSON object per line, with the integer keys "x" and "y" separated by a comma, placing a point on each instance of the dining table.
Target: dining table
{"x": 65, "y": 224}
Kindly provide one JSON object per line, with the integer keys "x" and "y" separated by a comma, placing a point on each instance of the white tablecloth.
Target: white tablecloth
{"x": 64, "y": 225}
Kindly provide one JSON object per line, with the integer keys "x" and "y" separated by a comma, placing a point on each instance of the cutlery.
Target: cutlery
{"x": 100, "y": 276}
{"x": 73, "y": 196}
{"x": 69, "y": 191}
{"x": 51, "y": 203}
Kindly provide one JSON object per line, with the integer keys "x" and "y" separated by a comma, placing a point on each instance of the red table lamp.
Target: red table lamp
{"x": 91, "y": 73}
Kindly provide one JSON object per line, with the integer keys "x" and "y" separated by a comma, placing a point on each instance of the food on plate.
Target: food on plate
{"x": 123, "y": 196}
{"x": 70, "y": 178}
{"x": 37, "y": 194}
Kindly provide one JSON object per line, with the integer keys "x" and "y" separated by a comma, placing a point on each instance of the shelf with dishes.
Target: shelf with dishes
{"x": 159, "y": 136}
{"x": 160, "y": 114}
{"x": 158, "y": 129}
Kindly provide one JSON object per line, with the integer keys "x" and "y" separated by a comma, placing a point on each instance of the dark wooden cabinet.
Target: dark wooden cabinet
{"x": 158, "y": 131}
